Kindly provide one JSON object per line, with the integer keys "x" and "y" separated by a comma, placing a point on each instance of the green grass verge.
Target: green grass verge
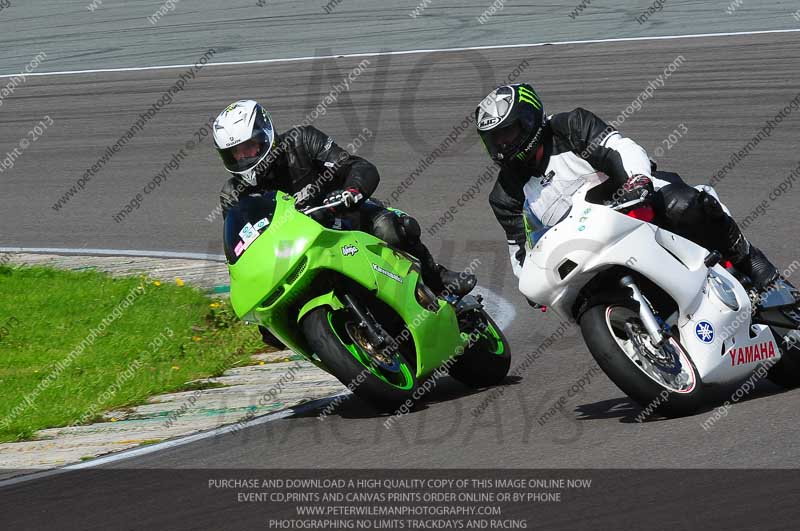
{"x": 62, "y": 364}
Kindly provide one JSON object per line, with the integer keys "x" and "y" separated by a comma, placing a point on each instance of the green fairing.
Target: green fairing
{"x": 294, "y": 249}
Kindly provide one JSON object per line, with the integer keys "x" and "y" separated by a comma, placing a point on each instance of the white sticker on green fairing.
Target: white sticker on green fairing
{"x": 248, "y": 234}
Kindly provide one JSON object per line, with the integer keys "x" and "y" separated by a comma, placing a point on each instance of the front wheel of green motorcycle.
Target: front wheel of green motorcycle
{"x": 487, "y": 359}
{"x": 384, "y": 379}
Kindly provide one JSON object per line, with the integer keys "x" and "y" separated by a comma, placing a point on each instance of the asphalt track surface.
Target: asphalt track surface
{"x": 723, "y": 92}
{"x": 118, "y": 34}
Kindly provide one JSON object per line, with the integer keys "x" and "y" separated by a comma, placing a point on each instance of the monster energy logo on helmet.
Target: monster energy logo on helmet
{"x": 528, "y": 95}
{"x": 510, "y": 121}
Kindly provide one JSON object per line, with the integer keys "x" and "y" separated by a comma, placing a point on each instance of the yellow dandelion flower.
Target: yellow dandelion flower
{"x": 196, "y": 338}
{"x": 156, "y": 283}
{"x": 180, "y": 282}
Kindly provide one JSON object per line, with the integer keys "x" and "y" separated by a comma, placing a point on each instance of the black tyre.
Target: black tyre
{"x": 336, "y": 341}
{"x": 786, "y": 372}
{"x": 487, "y": 361}
{"x": 662, "y": 381}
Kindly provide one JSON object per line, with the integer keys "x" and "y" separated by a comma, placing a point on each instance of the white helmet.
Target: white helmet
{"x": 244, "y": 137}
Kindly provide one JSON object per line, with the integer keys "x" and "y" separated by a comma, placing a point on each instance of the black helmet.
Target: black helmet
{"x": 510, "y": 122}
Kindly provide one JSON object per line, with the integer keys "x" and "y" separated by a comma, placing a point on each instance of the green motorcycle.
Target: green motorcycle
{"x": 353, "y": 305}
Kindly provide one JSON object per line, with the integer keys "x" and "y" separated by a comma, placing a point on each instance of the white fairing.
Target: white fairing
{"x": 717, "y": 337}
{"x": 549, "y": 196}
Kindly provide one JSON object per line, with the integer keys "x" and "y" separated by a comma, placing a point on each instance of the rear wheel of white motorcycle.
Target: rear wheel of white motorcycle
{"x": 663, "y": 381}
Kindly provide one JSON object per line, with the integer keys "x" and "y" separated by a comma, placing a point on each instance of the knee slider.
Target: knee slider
{"x": 682, "y": 204}
{"x": 387, "y": 227}
{"x": 711, "y": 207}
{"x": 411, "y": 228}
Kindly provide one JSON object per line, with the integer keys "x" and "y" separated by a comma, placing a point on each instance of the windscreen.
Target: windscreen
{"x": 245, "y": 222}
{"x": 534, "y": 227}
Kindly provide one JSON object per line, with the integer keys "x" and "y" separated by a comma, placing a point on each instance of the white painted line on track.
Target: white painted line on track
{"x": 407, "y": 52}
{"x": 114, "y": 252}
{"x": 174, "y": 443}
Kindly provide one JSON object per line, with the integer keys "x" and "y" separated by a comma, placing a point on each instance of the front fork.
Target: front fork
{"x": 374, "y": 333}
{"x": 646, "y": 314}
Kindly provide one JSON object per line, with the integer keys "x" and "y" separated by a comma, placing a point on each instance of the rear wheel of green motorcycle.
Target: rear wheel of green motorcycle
{"x": 385, "y": 381}
{"x": 487, "y": 360}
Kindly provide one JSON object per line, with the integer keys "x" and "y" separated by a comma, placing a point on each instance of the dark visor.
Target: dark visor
{"x": 246, "y": 155}
{"x": 509, "y": 139}
{"x": 506, "y": 140}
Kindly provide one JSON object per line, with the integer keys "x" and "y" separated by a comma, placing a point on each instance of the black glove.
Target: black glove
{"x": 351, "y": 198}
{"x": 637, "y": 187}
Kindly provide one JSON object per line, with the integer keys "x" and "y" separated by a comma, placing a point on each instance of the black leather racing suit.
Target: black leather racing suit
{"x": 308, "y": 164}
{"x": 578, "y": 143}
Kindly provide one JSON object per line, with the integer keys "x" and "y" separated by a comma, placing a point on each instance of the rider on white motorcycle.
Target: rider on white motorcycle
{"x": 545, "y": 159}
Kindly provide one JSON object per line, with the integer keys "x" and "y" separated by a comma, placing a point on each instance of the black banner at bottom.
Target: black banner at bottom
{"x": 403, "y": 499}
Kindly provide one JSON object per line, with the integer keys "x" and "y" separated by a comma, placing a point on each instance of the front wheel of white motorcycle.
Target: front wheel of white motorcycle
{"x": 664, "y": 381}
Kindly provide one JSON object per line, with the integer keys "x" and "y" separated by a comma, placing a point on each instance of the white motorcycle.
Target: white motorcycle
{"x": 661, "y": 315}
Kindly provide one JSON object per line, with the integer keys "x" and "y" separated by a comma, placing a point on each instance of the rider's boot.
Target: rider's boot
{"x": 439, "y": 278}
{"x": 748, "y": 259}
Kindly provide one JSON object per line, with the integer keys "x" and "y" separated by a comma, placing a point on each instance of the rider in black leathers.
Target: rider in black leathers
{"x": 307, "y": 163}
{"x": 544, "y": 158}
